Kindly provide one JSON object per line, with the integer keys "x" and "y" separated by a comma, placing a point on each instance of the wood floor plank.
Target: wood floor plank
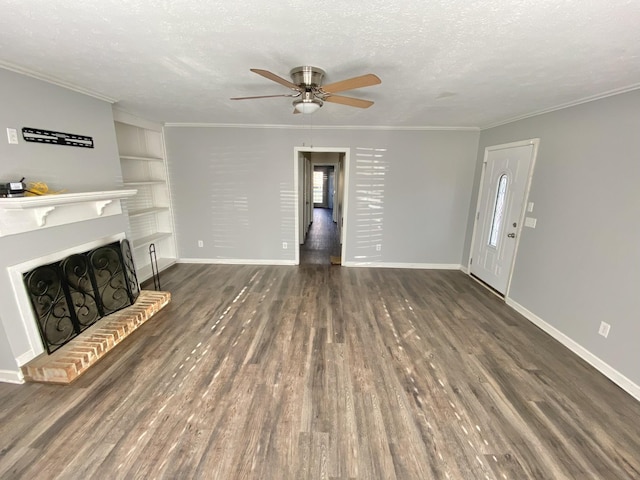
{"x": 321, "y": 372}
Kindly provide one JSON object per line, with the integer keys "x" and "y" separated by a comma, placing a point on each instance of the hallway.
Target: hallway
{"x": 323, "y": 240}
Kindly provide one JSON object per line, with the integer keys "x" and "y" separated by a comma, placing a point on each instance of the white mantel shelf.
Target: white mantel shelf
{"x": 25, "y": 214}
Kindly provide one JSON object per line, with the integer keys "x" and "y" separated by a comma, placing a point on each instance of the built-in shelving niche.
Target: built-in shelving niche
{"x": 144, "y": 167}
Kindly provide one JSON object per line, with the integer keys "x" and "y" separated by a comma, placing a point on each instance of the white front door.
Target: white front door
{"x": 503, "y": 192}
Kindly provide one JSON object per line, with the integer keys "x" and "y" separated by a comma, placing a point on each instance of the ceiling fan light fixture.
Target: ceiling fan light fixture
{"x": 310, "y": 93}
{"x": 307, "y": 106}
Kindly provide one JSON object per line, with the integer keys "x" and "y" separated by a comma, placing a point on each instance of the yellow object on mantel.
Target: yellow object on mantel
{"x": 35, "y": 189}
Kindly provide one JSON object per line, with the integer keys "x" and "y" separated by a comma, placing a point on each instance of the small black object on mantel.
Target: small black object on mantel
{"x": 39, "y": 135}
{"x": 154, "y": 267}
{"x": 12, "y": 189}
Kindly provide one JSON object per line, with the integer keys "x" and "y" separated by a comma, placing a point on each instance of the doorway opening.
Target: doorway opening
{"x": 321, "y": 179}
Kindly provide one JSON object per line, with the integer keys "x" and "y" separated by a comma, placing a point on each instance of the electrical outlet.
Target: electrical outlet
{"x": 12, "y": 135}
{"x": 378, "y": 247}
{"x": 530, "y": 207}
{"x": 285, "y": 245}
{"x": 200, "y": 243}
{"x": 604, "y": 329}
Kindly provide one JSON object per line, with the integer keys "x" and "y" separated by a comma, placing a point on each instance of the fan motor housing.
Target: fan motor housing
{"x": 307, "y": 76}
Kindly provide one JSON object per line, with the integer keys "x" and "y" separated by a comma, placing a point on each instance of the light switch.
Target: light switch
{"x": 530, "y": 222}
{"x": 12, "y": 135}
{"x": 530, "y": 207}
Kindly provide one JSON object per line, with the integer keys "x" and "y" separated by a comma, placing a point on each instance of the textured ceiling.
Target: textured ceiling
{"x": 442, "y": 63}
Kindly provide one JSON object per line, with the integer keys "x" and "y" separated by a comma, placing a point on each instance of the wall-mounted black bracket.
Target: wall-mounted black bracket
{"x": 56, "y": 138}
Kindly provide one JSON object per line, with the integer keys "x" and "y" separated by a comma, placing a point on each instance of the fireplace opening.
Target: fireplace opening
{"x": 70, "y": 295}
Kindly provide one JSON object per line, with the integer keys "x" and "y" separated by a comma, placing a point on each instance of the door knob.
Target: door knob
{"x": 511, "y": 235}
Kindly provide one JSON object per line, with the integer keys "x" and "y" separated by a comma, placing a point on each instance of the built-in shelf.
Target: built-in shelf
{"x": 143, "y": 164}
{"x": 25, "y": 214}
{"x": 147, "y": 211}
{"x": 145, "y": 241}
{"x": 144, "y": 273}
{"x": 141, "y": 159}
{"x": 143, "y": 183}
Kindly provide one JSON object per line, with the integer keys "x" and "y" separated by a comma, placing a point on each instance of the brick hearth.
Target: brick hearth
{"x": 73, "y": 359}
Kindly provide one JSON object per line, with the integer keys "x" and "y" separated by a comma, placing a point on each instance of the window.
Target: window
{"x": 318, "y": 186}
{"x": 498, "y": 211}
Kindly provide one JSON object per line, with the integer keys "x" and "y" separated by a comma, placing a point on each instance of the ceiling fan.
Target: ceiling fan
{"x": 310, "y": 94}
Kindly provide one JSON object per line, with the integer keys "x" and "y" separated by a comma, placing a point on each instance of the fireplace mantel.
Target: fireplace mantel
{"x": 25, "y": 214}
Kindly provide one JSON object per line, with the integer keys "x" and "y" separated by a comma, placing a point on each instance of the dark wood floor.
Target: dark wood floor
{"x": 322, "y": 239}
{"x": 321, "y": 372}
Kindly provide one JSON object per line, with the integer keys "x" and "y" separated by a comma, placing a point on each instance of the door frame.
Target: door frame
{"x": 522, "y": 143}
{"x": 305, "y": 192}
{"x": 297, "y": 157}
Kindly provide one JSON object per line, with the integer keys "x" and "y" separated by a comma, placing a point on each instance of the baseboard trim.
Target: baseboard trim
{"x": 245, "y": 261}
{"x": 464, "y": 269}
{"x": 236, "y": 261}
{"x": 11, "y": 376}
{"x": 26, "y": 357}
{"x": 422, "y": 266}
{"x": 608, "y": 371}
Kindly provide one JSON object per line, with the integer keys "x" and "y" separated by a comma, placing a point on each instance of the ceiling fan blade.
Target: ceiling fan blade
{"x": 275, "y": 78}
{"x": 264, "y": 96}
{"x": 350, "y": 101}
{"x": 351, "y": 83}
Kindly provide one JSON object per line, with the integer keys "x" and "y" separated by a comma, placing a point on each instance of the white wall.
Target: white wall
{"x": 26, "y": 102}
{"x": 580, "y": 265}
{"x": 233, "y": 188}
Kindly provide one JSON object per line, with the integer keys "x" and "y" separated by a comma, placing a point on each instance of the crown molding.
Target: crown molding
{"x": 313, "y": 127}
{"x": 592, "y": 98}
{"x": 55, "y": 81}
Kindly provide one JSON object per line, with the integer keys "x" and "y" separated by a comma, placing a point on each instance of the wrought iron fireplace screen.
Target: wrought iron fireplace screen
{"x": 70, "y": 295}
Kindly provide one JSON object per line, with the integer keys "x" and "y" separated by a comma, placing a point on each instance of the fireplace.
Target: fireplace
{"x": 89, "y": 297}
{"x": 71, "y": 294}
{"x": 65, "y": 232}
{"x": 77, "y": 305}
